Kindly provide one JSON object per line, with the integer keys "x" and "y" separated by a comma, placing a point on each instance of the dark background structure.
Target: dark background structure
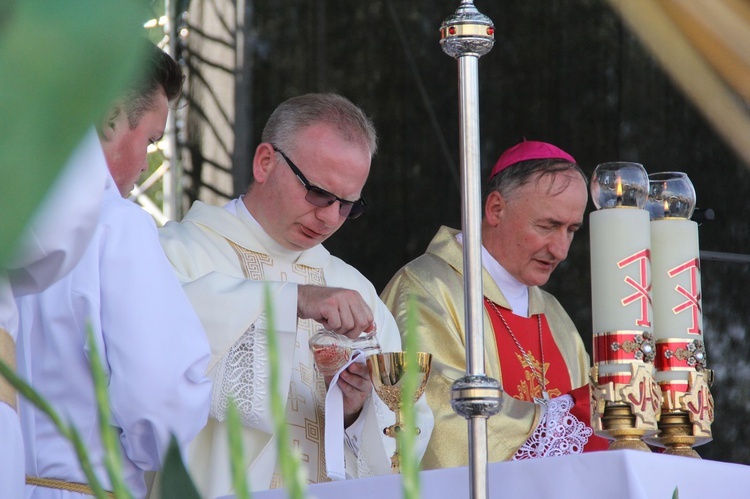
{"x": 563, "y": 71}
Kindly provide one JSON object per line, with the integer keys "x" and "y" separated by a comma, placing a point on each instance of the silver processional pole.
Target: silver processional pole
{"x": 467, "y": 35}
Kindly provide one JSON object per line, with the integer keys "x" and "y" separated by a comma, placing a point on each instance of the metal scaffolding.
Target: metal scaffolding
{"x": 160, "y": 193}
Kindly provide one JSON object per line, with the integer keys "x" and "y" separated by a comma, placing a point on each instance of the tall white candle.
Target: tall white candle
{"x": 678, "y": 315}
{"x": 620, "y": 290}
{"x": 620, "y": 270}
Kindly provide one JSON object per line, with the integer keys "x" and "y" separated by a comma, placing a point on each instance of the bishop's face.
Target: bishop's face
{"x": 529, "y": 232}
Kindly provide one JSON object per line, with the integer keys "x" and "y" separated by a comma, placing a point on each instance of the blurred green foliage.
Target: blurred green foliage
{"x": 408, "y": 437}
{"x": 175, "y": 480}
{"x": 289, "y": 459}
{"x": 60, "y": 64}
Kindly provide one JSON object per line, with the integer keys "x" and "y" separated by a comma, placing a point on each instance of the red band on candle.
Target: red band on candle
{"x": 672, "y": 389}
{"x": 617, "y": 347}
{"x": 677, "y": 355}
{"x": 616, "y": 378}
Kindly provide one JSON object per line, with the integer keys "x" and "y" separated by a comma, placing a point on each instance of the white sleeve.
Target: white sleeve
{"x": 353, "y": 434}
{"x": 232, "y": 311}
{"x": 155, "y": 346}
{"x": 228, "y": 306}
{"x": 62, "y": 226}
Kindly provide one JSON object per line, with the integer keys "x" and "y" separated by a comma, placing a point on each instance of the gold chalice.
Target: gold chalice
{"x": 387, "y": 371}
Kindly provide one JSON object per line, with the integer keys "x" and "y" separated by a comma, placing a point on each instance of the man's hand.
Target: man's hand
{"x": 342, "y": 311}
{"x": 355, "y": 385}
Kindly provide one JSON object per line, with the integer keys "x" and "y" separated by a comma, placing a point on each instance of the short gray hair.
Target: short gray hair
{"x": 297, "y": 113}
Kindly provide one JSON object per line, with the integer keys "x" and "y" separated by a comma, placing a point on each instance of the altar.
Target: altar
{"x": 623, "y": 474}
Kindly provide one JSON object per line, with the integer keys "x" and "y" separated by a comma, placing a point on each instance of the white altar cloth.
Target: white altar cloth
{"x": 621, "y": 474}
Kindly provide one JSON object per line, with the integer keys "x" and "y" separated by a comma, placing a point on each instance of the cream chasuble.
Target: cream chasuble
{"x": 306, "y": 400}
{"x": 225, "y": 260}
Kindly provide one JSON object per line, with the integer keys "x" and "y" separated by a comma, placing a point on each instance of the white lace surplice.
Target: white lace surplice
{"x": 559, "y": 432}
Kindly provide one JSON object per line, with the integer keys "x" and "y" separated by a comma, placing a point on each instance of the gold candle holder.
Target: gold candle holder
{"x": 626, "y": 413}
{"x": 686, "y": 416}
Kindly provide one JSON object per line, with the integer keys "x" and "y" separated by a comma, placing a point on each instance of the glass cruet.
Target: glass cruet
{"x": 331, "y": 351}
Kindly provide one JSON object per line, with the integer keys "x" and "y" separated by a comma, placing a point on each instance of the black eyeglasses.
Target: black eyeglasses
{"x": 322, "y": 198}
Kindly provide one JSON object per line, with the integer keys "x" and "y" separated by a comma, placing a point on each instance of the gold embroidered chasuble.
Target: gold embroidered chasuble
{"x": 435, "y": 280}
{"x": 220, "y": 255}
{"x": 306, "y": 401}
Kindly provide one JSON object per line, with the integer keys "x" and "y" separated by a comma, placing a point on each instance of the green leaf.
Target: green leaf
{"x": 236, "y": 453}
{"x": 289, "y": 460}
{"x": 61, "y": 63}
{"x": 175, "y": 480}
{"x": 407, "y": 437}
{"x": 110, "y": 441}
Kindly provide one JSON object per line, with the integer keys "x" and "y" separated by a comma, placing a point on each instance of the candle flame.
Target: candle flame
{"x": 618, "y": 191}
{"x": 666, "y": 207}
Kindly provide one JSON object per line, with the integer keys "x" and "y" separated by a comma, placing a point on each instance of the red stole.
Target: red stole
{"x": 519, "y": 380}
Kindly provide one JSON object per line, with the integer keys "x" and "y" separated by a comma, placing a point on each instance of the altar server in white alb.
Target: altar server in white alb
{"x": 51, "y": 245}
{"x": 309, "y": 171}
{"x": 153, "y": 347}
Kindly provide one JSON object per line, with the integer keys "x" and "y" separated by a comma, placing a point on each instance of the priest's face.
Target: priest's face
{"x": 530, "y": 230}
{"x": 276, "y": 198}
{"x": 126, "y": 147}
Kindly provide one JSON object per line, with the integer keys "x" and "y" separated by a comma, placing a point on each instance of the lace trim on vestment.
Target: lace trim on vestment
{"x": 241, "y": 375}
{"x": 559, "y": 432}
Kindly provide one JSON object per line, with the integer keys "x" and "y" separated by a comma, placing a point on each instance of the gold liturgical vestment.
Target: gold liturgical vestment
{"x": 435, "y": 279}
{"x": 225, "y": 261}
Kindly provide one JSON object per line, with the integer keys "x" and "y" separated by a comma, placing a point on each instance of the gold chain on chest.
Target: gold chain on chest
{"x": 539, "y": 376}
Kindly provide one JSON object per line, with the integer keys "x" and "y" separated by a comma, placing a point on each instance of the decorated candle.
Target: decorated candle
{"x": 620, "y": 270}
{"x": 678, "y": 318}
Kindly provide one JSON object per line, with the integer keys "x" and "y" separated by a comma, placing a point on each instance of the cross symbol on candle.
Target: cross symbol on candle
{"x": 642, "y": 287}
{"x": 693, "y": 296}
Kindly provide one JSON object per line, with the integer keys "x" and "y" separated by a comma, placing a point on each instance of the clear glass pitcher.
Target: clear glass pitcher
{"x": 331, "y": 351}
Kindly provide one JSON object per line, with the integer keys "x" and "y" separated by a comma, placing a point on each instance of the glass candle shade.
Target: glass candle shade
{"x": 670, "y": 195}
{"x": 619, "y": 184}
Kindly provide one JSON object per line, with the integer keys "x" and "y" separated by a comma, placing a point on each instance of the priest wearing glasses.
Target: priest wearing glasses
{"x": 536, "y": 199}
{"x": 308, "y": 175}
